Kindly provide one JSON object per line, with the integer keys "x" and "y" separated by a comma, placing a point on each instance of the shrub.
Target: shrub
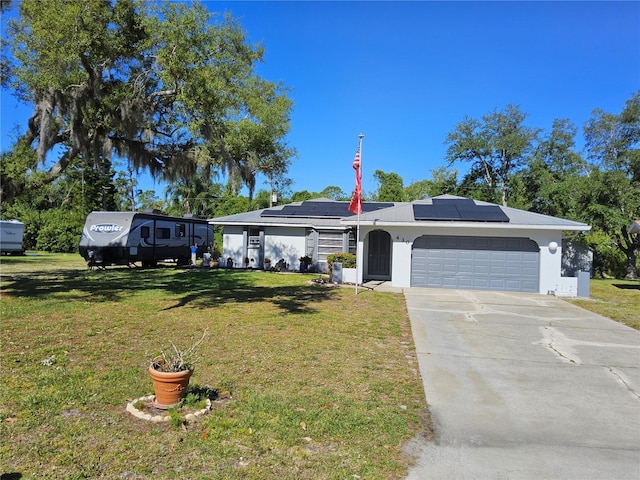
{"x": 33, "y": 222}
{"x": 348, "y": 260}
{"x": 60, "y": 232}
{"x": 307, "y": 260}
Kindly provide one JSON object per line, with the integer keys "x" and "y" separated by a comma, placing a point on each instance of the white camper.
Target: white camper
{"x": 11, "y": 236}
{"x": 124, "y": 238}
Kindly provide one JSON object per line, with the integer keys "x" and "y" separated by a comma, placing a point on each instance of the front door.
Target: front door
{"x": 379, "y": 259}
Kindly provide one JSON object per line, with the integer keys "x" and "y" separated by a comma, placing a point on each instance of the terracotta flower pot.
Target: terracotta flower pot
{"x": 169, "y": 387}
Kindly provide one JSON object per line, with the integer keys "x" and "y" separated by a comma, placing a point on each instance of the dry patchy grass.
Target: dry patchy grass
{"x": 319, "y": 383}
{"x": 618, "y": 300}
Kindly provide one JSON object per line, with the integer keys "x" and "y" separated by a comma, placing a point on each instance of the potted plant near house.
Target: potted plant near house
{"x": 171, "y": 371}
{"x": 305, "y": 262}
{"x": 267, "y": 264}
{"x": 215, "y": 256}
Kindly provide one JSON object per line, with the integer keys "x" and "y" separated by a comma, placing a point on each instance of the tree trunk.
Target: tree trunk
{"x": 630, "y": 245}
{"x": 632, "y": 273}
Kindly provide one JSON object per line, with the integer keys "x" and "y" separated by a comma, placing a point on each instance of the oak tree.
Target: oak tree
{"x": 612, "y": 199}
{"x": 169, "y": 87}
{"x": 497, "y": 146}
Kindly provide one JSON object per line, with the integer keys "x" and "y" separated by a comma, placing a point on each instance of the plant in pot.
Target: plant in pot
{"x": 305, "y": 262}
{"x": 170, "y": 372}
{"x": 215, "y": 257}
{"x": 267, "y": 264}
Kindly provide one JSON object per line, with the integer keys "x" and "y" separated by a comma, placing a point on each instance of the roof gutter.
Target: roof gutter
{"x": 270, "y": 224}
{"x": 468, "y": 225}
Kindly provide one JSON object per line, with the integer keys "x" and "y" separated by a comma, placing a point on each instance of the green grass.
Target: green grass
{"x": 318, "y": 383}
{"x": 615, "y": 299}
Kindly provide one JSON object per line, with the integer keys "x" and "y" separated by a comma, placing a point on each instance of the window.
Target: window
{"x": 310, "y": 242}
{"x": 329, "y": 241}
{"x": 145, "y": 232}
{"x": 163, "y": 233}
{"x": 352, "y": 241}
{"x": 181, "y": 230}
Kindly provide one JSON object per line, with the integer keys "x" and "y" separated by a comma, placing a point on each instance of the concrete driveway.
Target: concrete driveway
{"x": 524, "y": 386}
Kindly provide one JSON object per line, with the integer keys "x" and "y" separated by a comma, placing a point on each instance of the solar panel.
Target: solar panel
{"x": 455, "y": 202}
{"x": 311, "y": 209}
{"x": 489, "y": 213}
{"x": 433, "y": 212}
{"x": 458, "y": 210}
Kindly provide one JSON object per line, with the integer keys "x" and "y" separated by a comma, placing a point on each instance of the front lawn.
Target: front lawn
{"x": 314, "y": 382}
{"x": 618, "y": 300}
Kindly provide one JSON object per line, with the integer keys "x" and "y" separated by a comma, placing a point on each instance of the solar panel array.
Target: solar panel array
{"x": 316, "y": 209}
{"x": 458, "y": 209}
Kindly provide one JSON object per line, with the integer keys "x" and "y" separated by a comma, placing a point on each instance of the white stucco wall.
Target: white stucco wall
{"x": 403, "y": 238}
{"x": 550, "y": 261}
{"x": 400, "y": 275}
{"x": 284, "y": 243}
{"x": 232, "y": 245}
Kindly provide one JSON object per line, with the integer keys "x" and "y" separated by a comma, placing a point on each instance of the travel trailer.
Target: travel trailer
{"x": 11, "y": 235}
{"x": 124, "y": 238}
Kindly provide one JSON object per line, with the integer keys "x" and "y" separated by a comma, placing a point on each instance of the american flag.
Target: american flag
{"x": 356, "y": 199}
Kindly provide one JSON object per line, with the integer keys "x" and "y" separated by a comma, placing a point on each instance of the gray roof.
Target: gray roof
{"x": 402, "y": 214}
{"x": 256, "y": 219}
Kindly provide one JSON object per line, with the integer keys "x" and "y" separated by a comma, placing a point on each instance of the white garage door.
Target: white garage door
{"x": 478, "y": 263}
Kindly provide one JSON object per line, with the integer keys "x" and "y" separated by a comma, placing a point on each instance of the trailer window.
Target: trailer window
{"x": 145, "y": 232}
{"x": 163, "y": 233}
{"x": 181, "y": 230}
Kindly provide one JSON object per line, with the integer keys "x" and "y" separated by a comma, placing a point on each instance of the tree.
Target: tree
{"x": 474, "y": 185}
{"x": 612, "y": 199}
{"x": 197, "y": 195}
{"x": 272, "y": 159}
{"x": 335, "y": 193}
{"x": 497, "y": 147}
{"x": 418, "y": 190}
{"x": 261, "y": 200}
{"x": 613, "y": 141}
{"x": 167, "y": 86}
{"x": 230, "y": 204}
{"x": 279, "y": 189}
{"x": 125, "y": 184}
{"x": 553, "y": 181}
{"x": 15, "y": 166}
{"x": 302, "y": 195}
{"x": 443, "y": 181}
{"x": 148, "y": 199}
{"x": 390, "y": 187}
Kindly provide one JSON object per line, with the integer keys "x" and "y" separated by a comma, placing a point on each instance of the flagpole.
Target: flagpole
{"x": 360, "y": 137}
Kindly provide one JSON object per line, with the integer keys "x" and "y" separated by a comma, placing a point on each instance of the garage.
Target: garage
{"x": 479, "y": 263}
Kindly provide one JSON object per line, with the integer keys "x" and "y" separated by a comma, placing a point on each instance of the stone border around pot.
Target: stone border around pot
{"x": 189, "y": 417}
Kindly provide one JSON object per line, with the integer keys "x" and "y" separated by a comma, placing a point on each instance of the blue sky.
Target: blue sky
{"x": 406, "y": 73}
